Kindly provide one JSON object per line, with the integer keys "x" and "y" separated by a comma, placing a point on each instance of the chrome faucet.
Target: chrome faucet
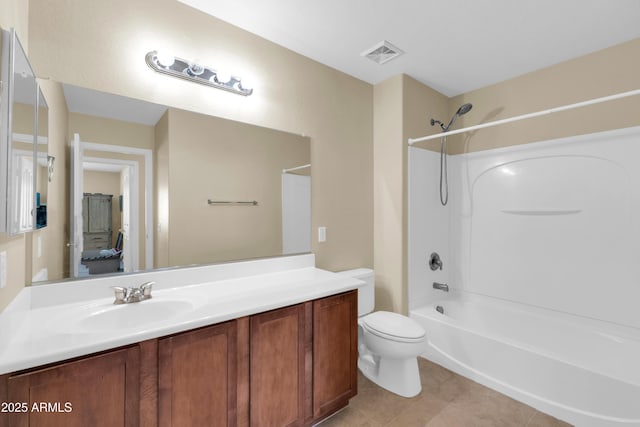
{"x": 441, "y": 286}
{"x": 128, "y": 295}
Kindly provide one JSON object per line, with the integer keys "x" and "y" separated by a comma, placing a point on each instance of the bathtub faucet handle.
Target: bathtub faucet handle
{"x": 435, "y": 262}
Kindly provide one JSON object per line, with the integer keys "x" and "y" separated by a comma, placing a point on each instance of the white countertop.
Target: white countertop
{"x": 34, "y": 330}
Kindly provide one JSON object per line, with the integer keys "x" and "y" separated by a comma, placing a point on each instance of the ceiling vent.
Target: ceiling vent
{"x": 382, "y": 52}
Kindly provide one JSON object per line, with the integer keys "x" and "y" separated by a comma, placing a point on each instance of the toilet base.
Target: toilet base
{"x": 399, "y": 376}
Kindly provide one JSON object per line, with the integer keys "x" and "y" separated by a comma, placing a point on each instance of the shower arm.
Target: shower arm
{"x": 412, "y": 141}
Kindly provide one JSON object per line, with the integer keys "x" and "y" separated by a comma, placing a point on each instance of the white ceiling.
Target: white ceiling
{"x": 453, "y": 46}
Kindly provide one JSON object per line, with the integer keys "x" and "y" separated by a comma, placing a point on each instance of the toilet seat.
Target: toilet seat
{"x": 393, "y": 326}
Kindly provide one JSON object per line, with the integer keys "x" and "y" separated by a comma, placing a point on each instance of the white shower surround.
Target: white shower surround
{"x": 535, "y": 237}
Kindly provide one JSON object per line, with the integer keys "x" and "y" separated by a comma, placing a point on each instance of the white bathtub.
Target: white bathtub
{"x": 583, "y": 371}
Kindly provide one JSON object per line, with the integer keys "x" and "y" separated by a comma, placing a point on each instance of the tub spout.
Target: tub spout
{"x": 441, "y": 286}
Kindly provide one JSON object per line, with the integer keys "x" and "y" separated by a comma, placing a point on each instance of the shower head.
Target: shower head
{"x": 464, "y": 109}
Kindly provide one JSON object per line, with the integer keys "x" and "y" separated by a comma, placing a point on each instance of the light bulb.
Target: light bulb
{"x": 223, "y": 77}
{"x": 246, "y": 84}
{"x": 166, "y": 59}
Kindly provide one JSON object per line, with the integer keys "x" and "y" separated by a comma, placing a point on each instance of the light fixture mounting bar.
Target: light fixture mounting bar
{"x": 197, "y": 73}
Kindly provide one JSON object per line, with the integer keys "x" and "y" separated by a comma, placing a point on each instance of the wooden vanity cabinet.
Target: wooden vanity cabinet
{"x": 197, "y": 377}
{"x": 335, "y": 352}
{"x": 276, "y": 368}
{"x": 303, "y": 361}
{"x": 100, "y": 390}
{"x": 291, "y": 366}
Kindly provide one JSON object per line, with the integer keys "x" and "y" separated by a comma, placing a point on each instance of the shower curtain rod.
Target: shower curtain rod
{"x": 296, "y": 168}
{"x": 412, "y": 141}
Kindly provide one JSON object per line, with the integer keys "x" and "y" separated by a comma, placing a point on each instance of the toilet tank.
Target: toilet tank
{"x": 366, "y": 293}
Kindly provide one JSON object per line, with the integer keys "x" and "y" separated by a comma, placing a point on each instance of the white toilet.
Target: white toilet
{"x": 388, "y": 343}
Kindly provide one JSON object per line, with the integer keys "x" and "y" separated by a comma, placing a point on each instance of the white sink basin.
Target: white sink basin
{"x": 107, "y": 317}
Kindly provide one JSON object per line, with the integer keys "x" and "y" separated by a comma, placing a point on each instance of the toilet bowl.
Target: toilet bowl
{"x": 388, "y": 343}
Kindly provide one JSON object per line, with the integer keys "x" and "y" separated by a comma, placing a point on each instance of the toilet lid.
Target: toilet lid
{"x": 393, "y": 325}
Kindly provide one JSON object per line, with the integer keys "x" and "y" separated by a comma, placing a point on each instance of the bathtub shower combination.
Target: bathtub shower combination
{"x": 540, "y": 249}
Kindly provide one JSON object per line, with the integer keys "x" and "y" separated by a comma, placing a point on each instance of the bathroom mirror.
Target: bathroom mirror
{"x": 19, "y": 102}
{"x": 163, "y": 187}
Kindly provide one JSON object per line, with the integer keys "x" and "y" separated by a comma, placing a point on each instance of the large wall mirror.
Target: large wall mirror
{"x": 157, "y": 187}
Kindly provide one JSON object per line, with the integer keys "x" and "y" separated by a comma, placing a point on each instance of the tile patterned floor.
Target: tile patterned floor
{"x": 446, "y": 400}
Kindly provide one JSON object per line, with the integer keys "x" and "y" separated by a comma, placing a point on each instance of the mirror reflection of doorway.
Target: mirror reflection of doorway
{"x": 110, "y": 198}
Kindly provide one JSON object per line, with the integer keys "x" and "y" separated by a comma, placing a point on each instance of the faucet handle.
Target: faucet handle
{"x": 120, "y": 294}
{"x": 435, "y": 262}
{"x": 146, "y": 289}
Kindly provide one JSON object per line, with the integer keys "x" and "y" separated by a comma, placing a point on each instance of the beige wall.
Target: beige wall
{"x": 602, "y": 73}
{"x": 23, "y": 118}
{"x": 213, "y": 158}
{"x": 402, "y": 107}
{"x": 388, "y": 157}
{"x": 96, "y": 45}
{"x": 111, "y": 132}
{"x": 55, "y": 235}
{"x": 15, "y": 14}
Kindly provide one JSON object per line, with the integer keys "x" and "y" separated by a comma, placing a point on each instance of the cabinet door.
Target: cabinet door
{"x": 277, "y": 368}
{"x": 197, "y": 377}
{"x": 335, "y": 352}
{"x": 101, "y": 390}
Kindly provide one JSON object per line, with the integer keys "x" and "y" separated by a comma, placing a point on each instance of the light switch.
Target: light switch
{"x": 322, "y": 234}
{"x": 39, "y": 246}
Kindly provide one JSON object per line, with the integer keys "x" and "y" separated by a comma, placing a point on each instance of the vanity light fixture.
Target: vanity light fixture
{"x": 193, "y": 71}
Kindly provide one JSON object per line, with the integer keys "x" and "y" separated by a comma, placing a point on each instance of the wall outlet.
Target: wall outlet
{"x": 322, "y": 234}
{"x": 3, "y": 269}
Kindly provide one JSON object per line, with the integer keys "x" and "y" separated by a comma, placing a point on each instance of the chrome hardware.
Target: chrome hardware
{"x": 435, "y": 262}
{"x": 225, "y": 202}
{"x": 439, "y": 309}
{"x": 441, "y": 286}
{"x": 146, "y": 289}
{"x": 120, "y": 294}
{"x": 130, "y": 295}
